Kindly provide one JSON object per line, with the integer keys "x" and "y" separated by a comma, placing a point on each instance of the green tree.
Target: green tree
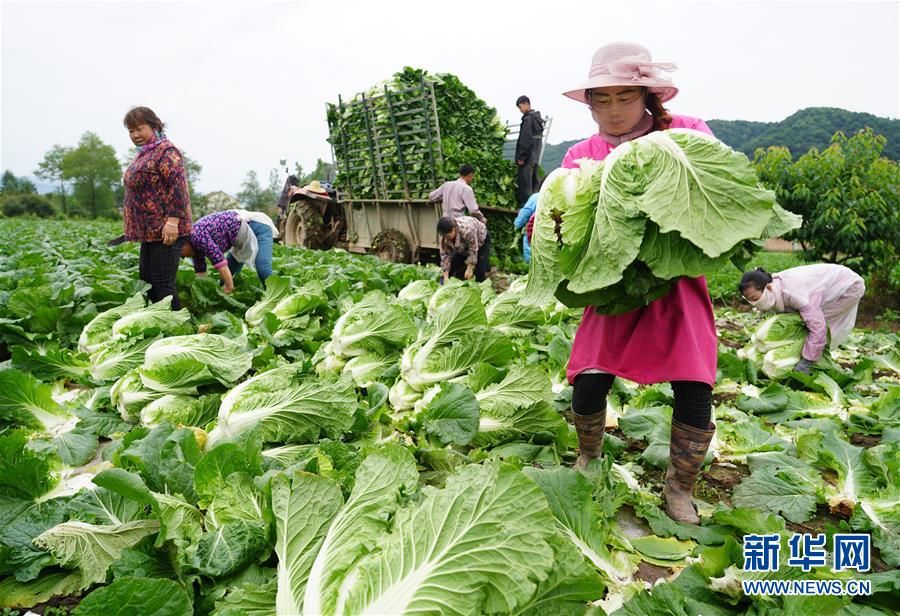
{"x": 94, "y": 170}
{"x": 51, "y": 169}
{"x": 255, "y": 196}
{"x": 274, "y": 188}
{"x": 33, "y": 204}
{"x": 12, "y": 185}
{"x": 324, "y": 171}
{"x": 193, "y": 169}
{"x": 848, "y": 195}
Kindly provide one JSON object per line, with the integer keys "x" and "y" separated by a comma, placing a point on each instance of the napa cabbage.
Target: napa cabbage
{"x": 776, "y": 345}
{"x": 285, "y": 406}
{"x": 616, "y": 234}
{"x": 454, "y": 342}
{"x": 180, "y": 363}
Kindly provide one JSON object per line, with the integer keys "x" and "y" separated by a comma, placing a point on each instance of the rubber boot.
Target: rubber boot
{"x": 687, "y": 449}
{"x": 590, "y": 436}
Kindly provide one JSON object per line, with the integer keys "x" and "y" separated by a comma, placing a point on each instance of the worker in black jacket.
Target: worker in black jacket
{"x": 528, "y": 149}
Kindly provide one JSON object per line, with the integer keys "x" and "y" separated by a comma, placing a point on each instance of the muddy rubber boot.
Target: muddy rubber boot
{"x": 687, "y": 448}
{"x": 590, "y": 436}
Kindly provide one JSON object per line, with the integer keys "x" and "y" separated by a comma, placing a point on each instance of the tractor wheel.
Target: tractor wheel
{"x": 391, "y": 245}
{"x": 304, "y": 228}
{"x": 294, "y": 229}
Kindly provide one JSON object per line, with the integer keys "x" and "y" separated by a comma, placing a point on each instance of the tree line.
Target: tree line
{"x": 807, "y": 128}
{"x": 88, "y": 183}
{"x": 256, "y": 196}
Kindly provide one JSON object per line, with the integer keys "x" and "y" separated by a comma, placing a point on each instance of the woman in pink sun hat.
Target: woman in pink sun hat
{"x": 673, "y": 339}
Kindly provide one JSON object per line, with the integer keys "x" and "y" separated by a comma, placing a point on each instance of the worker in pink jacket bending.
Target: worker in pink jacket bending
{"x": 826, "y": 295}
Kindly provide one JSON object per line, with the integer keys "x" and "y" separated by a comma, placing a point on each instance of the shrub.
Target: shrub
{"x": 13, "y": 206}
{"x": 847, "y": 195}
{"x": 38, "y": 205}
{"x": 22, "y": 205}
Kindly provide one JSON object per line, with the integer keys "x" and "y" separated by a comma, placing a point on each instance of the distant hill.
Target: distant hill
{"x": 807, "y": 128}
{"x": 554, "y": 153}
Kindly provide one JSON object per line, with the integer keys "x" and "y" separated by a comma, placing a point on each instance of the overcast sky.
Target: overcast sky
{"x": 244, "y": 84}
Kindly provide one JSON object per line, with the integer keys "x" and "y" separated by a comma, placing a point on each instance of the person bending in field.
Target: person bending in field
{"x": 157, "y": 205}
{"x": 245, "y": 236}
{"x": 825, "y": 294}
{"x": 671, "y": 339}
{"x": 465, "y": 248}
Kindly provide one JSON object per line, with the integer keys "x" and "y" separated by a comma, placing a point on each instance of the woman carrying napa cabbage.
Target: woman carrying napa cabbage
{"x": 672, "y": 339}
{"x": 826, "y": 296}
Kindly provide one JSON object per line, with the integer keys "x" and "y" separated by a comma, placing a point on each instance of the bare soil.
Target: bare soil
{"x": 865, "y": 440}
{"x": 647, "y": 572}
{"x": 726, "y": 397}
{"x": 716, "y": 483}
{"x": 70, "y": 602}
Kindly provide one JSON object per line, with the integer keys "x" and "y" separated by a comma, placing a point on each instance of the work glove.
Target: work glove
{"x": 803, "y": 365}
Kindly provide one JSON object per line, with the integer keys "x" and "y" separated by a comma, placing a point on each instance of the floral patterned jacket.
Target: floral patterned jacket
{"x": 212, "y": 236}
{"x": 470, "y": 236}
{"x": 156, "y": 188}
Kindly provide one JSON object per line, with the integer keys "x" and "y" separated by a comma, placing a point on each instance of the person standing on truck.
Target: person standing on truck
{"x": 457, "y": 196}
{"x": 465, "y": 248}
{"x": 528, "y": 149}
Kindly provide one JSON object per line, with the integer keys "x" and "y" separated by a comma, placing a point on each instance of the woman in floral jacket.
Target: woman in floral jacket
{"x": 157, "y": 203}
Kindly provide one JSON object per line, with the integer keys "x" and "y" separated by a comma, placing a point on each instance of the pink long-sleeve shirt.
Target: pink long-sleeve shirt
{"x": 826, "y": 296}
{"x": 456, "y": 197}
{"x": 670, "y": 339}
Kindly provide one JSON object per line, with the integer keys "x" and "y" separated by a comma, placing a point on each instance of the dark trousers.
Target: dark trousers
{"x": 693, "y": 399}
{"x": 158, "y": 266}
{"x": 527, "y": 181}
{"x": 482, "y": 263}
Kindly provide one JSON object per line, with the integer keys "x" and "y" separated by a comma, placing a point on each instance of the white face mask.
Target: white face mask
{"x": 766, "y": 301}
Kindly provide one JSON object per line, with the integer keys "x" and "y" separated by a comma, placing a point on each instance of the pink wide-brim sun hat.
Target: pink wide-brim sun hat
{"x": 626, "y": 64}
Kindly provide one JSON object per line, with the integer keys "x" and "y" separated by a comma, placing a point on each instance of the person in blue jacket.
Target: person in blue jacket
{"x": 525, "y": 214}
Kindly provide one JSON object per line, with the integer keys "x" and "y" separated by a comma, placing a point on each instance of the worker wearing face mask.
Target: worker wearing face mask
{"x": 825, "y": 295}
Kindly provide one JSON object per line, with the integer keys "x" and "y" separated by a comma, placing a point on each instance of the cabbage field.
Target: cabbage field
{"x": 355, "y": 439}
